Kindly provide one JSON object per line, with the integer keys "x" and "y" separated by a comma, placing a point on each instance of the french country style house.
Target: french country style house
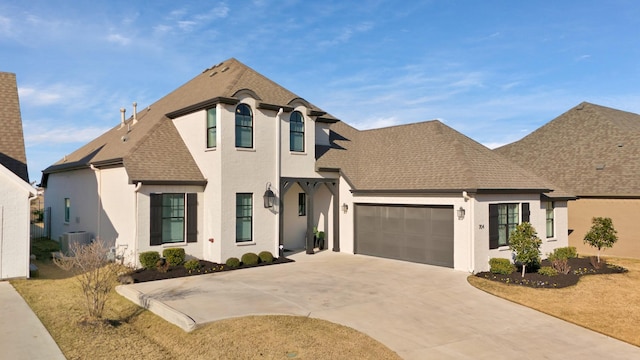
{"x": 231, "y": 162}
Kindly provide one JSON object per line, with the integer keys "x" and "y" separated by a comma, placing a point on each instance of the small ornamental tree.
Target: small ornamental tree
{"x": 525, "y": 243}
{"x": 602, "y": 234}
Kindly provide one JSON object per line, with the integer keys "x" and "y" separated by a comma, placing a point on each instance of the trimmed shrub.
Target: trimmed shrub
{"x": 501, "y": 266}
{"x": 192, "y": 264}
{"x": 547, "y": 271}
{"x": 149, "y": 259}
{"x": 559, "y": 258}
{"x": 265, "y": 257}
{"x": 174, "y": 256}
{"x": 232, "y": 262}
{"x": 250, "y": 259}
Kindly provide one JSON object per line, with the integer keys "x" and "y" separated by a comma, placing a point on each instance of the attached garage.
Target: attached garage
{"x": 415, "y": 233}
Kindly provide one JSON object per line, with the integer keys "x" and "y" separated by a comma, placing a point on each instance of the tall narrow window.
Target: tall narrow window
{"x": 67, "y": 209}
{"x": 172, "y": 218}
{"x": 244, "y": 217}
{"x": 296, "y": 132}
{"x": 211, "y": 128}
{"x": 302, "y": 204}
{"x": 244, "y": 126}
{"x": 550, "y": 214}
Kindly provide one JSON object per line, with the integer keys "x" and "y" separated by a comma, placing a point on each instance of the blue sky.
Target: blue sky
{"x": 493, "y": 70}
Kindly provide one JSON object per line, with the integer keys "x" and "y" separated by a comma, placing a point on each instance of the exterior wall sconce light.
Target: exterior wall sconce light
{"x": 461, "y": 213}
{"x": 269, "y": 197}
{"x": 345, "y": 208}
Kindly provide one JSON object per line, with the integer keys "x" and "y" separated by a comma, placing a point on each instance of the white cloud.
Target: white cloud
{"x": 119, "y": 39}
{"x": 56, "y": 94}
{"x": 494, "y": 145}
{"x": 346, "y": 33}
{"x": 375, "y": 123}
{"x": 5, "y": 26}
{"x": 36, "y": 135}
{"x": 187, "y": 25}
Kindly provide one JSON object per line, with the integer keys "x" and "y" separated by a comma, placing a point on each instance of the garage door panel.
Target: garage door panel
{"x": 421, "y": 234}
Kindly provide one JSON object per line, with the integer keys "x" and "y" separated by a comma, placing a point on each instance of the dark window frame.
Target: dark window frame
{"x": 550, "y": 209}
{"x": 244, "y": 121}
{"x": 302, "y": 204}
{"x": 502, "y": 222}
{"x": 67, "y": 210}
{"x": 296, "y": 128}
{"x": 211, "y": 128}
{"x": 189, "y": 218}
{"x": 241, "y": 216}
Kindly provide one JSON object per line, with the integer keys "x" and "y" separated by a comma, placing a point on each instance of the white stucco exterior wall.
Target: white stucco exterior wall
{"x": 14, "y": 225}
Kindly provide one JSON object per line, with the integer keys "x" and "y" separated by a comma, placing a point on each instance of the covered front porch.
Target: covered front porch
{"x": 308, "y": 205}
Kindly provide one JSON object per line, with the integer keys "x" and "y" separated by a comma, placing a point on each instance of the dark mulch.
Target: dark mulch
{"x": 579, "y": 267}
{"x": 206, "y": 267}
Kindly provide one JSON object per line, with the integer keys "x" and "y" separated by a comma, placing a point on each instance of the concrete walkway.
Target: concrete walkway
{"x": 419, "y": 311}
{"x": 22, "y": 335}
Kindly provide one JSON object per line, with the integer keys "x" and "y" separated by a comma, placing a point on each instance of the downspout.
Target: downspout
{"x": 99, "y": 179}
{"x": 278, "y": 173}
{"x": 135, "y": 227}
{"x": 472, "y": 242}
{"x": 31, "y": 198}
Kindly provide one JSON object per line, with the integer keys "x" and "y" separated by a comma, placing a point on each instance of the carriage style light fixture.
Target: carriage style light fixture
{"x": 345, "y": 208}
{"x": 269, "y": 197}
{"x": 461, "y": 213}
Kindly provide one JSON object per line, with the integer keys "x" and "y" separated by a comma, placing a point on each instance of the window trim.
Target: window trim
{"x": 240, "y": 116}
{"x": 550, "y": 208}
{"x": 524, "y": 215}
{"x": 211, "y": 143}
{"x": 302, "y": 204}
{"x": 190, "y": 219}
{"x": 292, "y": 132}
{"x": 67, "y": 210}
{"x": 249, "y": 217}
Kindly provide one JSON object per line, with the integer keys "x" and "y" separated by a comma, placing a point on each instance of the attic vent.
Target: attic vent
{"x": 580, "y": 107}
{"x": 213, "y": 73}
{"x": 620, "y": 145}
{"x": 600, "y": 167}
{"x": 225, "y": 69}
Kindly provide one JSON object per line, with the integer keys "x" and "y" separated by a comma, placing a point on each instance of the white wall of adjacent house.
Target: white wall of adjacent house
{"x": 14, "y": 226}
{"x": 537, "y": 219}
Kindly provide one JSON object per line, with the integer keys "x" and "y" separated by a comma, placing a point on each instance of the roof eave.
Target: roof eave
{"x": 202, "y": 106}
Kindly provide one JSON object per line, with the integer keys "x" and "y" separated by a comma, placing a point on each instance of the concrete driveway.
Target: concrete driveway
{"x": 419, "y": 311}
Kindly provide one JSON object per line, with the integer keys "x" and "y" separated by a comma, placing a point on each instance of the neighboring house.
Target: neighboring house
{"x": 198, "y": 168}
{"x": 594, "y": 152}
{"x": 15, "y": 191}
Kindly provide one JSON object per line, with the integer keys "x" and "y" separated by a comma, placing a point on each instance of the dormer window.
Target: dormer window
{"x": 244, "y": 126}
{"x": 296, "y": 132}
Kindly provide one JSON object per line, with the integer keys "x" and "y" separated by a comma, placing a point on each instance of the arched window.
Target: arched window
{"x": 296, "y": 132}
{"x": 244, "y": 126}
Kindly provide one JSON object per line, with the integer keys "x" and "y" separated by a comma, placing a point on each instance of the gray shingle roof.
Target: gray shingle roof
{"x": 590, "y": 150}
{"x": 427, "y": 156}
{"x": 153, "y": 150}
{"x": 12, "y": 151}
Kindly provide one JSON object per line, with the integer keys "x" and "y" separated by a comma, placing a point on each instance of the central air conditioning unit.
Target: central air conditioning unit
{"x": 68, "y": 240}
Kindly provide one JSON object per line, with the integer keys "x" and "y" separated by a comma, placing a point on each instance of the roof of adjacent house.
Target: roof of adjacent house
{"x": 424, "y": 157}
{"x": 151, "y": 149}
{"x": 12, "y": 151}
{"x": 591, "y": 150}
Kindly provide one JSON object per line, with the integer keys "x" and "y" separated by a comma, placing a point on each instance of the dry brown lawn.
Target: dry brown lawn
{"x": 135, "y": 333}
{"x": 609, "y": 304}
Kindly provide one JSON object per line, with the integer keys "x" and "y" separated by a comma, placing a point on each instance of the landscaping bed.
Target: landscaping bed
{"x": 579, "y": 267}
{"x": 206, "y": 267}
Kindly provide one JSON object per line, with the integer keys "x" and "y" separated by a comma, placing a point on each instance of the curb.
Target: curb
{"x": 159, "y": 308}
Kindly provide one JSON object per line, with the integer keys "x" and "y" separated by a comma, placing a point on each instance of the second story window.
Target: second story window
{"x": 296, "y": 132}
{"x": 244, "y": 126}
{"x": 211, "y": 128}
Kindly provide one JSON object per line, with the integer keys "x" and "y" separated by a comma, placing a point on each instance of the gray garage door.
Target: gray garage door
{"x": 422, "y": 234}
